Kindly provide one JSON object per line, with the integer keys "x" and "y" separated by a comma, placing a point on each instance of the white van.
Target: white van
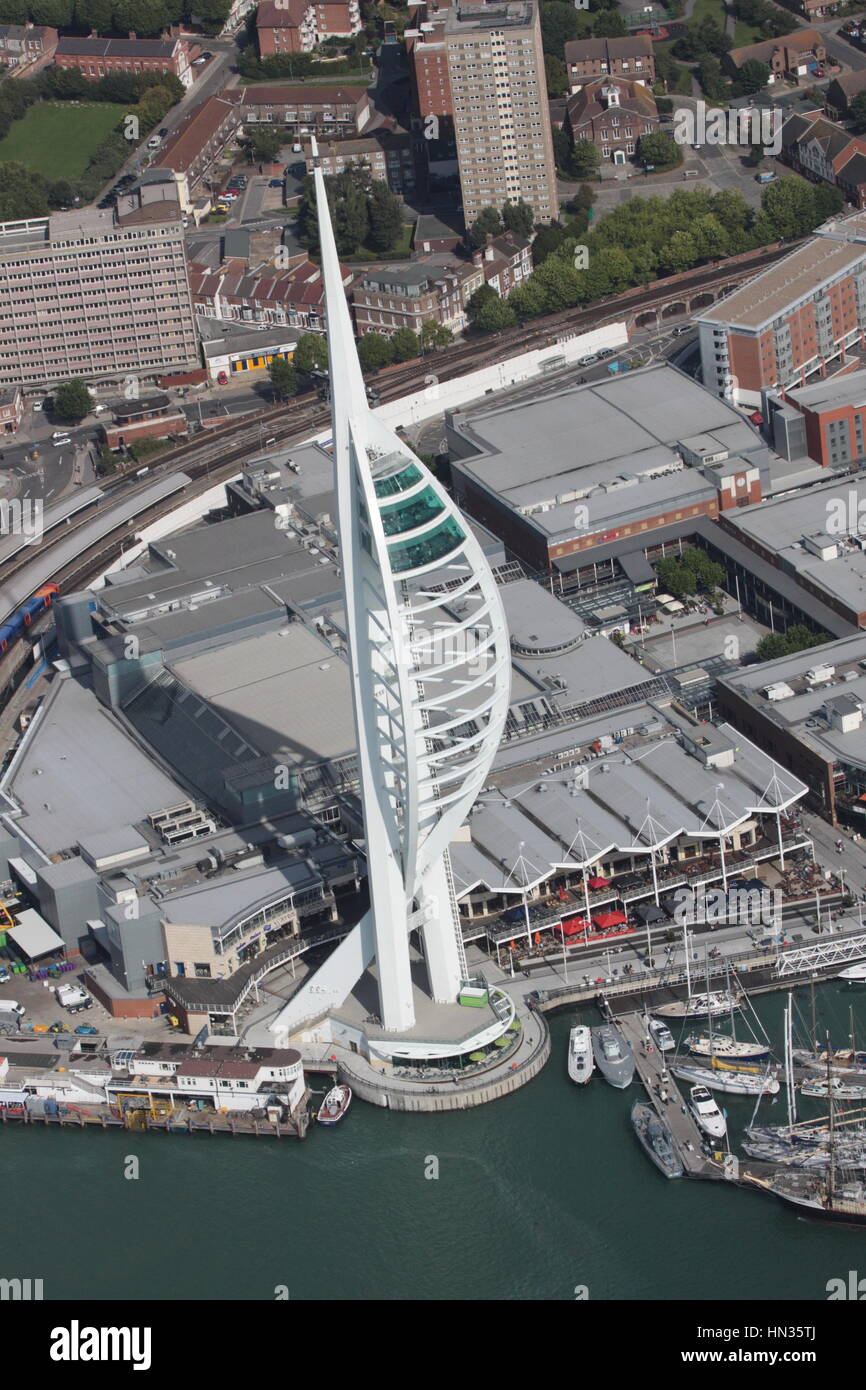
{"x": 9, "y": 1006}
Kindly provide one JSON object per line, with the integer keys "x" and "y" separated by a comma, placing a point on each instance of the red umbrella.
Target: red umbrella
{"x": 572, "y": 926}
{"x": 538, "y": 938}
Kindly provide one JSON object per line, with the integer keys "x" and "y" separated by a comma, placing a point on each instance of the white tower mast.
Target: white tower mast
{"x": 430, "y": 672}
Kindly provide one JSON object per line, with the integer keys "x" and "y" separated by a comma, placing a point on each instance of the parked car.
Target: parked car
{"x": 61, "y": 442}
{"x": 275, "y": 183}
{"x": 5, "y": 977}
{"x": 588, "y": 361}
{"x": 154, "y": 142}
{"x": 222, "y": 378}
{"x": 86, "y": 1029}
{"x": 58, "y": 1028}
{"x": 163, "y": 132}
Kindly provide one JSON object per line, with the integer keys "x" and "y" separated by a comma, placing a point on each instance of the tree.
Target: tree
{"x": 284, "y": 378}
{"x": 528, "y": 299}
{"x": 789, "y": 203}
{"x": 609, "y": 26}
{"x": 94, "y": 14}
{"x": 495, "y": 315}
{"x": 517, "y": 218}
{"x": 57, "y": 13}
{"x": 857, "y": 113}
{"x": 711, "y": 239}
{"x": 23, "y": 193}
{"x": 487, "y": 223}
{"x": 434, "y": 336}
{"x": 585, "y": 159}
{"x": 753, "y": 75}
{"x": 680, "y": 253}
{"x": 483, "y": 295}
{"x": 72, "y": 401}
{"x": 556, "y": 75}
{"x": 546, "y": 241}
{"x": 374, "y": 351}
{"x": 385, "y": 215}
{"x": 659, "y": 150}
{"x": 559, "y": 24}
{"x": 263, "y": 144}
{"x": 13, "y": 11}
{"x": 145, "y": 17}
{"x": 311, "y": 353}
{"x": 828, "y": 200}
{"x": 405, "y": 345}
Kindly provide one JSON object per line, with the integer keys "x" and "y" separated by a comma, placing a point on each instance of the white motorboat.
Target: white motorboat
{"x": 662, "y": 1035}
{"x": 854, "y": 974}
{"x": 580, "y": 1058}
{"x": 708, "y": 1116}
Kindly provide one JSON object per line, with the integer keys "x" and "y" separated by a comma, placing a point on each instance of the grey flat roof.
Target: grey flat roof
{"x": 536, "y": 618}
{"x": 605, "y": 440}
{"x": 833, "y": 392}
{"x": 217, "y": 905}
{"x": 91, "y": 775}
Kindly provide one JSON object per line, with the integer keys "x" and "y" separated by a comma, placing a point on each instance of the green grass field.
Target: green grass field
{"x": 58, "y": 138}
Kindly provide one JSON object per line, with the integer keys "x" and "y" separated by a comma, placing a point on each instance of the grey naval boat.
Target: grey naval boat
{"x": 613, "y": 1055}
{"x": 656, "y": 1140}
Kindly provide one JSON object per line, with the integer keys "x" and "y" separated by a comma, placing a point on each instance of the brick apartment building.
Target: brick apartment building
{"x": 25, "y": 46}
{"x": 306, "y": 110}
{"x": 791, "y": 322}
{"x": 11, "y": 409}
{"x": 825, "y": 421}
{"x": 83, "y": 295}
{"x": 387, "y": 153}
{"x": 407, "y": 297}
{"x": 297, "y": 26}
{"x": 479, "y": 71}
{"x": 293, "y": 297}
{"x": 193, "y": 148}
{"x": 631, "y": 58}
{"x": 506, "y": 261}
{"x": 613, "y": 114}
{"x": 95, "y": 57}
{"x": 818, "y": 149}
{"x": 792, "y": 56}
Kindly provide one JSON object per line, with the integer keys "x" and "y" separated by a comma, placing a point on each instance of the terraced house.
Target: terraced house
{"x": 818, "y": 149}
{"x": 630, "y": 57}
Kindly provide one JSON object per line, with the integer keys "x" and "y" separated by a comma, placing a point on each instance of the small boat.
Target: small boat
{"x": 656, "y": 1140}
{"x": 734, "y": 1083}
{"x": 580, "y": 1059}
{"x": 708, "y": 1116}
{"x": 613, "y": 1055}
{"x": 854, "y": 974}
{"x": 725, "y": 1048}
{"x": 835, "y": 1087}
{"x": 699, "y": 1006}
{"x": 841, "y": 1060}
{"x": 335, "y": 1105}
{"x": 662, "y": 1035}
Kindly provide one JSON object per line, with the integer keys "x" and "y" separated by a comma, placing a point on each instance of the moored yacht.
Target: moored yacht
{"x": 708, "y": 1116}
{"x": 613, "y": 1056}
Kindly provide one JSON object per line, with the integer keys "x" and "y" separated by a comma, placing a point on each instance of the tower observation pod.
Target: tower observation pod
{"x": 429, "y": 660}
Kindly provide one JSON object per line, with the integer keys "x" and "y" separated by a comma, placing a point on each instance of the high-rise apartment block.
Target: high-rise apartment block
{"x": 482, "y": 67}
{"x": 82, "y": 295}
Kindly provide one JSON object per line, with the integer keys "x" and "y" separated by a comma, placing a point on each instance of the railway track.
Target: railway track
{"x": 215, "y": 456}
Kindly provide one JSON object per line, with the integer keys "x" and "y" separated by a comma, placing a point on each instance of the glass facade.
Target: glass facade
{"x": 409, "y": 555}
{"x": 398, "y": 482}
{"x": 407, "y": 516}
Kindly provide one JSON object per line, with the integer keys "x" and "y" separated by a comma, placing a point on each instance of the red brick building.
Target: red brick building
{"x": 631, "y": 58}
{"x": 407, "y": 297}
{"x": 297, "y": 26}
{"x": 506, "y": 261}
{"x": 613, "y": 113}
{"x": 96, "y": 57}
{"x": 825, "y": 421}
{"x": 793, "y": 322}
{"x": 149, "y": 417}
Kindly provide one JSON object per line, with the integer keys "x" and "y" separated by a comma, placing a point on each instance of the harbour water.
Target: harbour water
{"x": 536, "y": 1196}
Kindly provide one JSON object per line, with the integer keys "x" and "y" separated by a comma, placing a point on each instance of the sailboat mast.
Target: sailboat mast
{"x": 831, "y": 1190}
